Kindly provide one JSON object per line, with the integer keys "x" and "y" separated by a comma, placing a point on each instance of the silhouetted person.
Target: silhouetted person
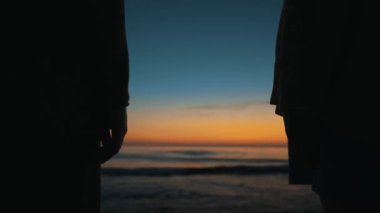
{"x": 65, "y": 103}
{"x": 324, "y": 87}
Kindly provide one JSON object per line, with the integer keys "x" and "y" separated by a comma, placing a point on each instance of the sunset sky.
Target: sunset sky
{"x": 201, "y": 71}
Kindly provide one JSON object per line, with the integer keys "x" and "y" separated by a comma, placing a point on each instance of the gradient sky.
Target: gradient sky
{"x": 201, "y": 71}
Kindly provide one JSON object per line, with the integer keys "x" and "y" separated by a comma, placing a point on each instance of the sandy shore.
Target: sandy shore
{"x": 205, "y": 193}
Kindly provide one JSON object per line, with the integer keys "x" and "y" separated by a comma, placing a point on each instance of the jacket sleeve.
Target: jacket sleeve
{"x": 276, "y": 89}
{"x": 117, "y": 66}
{"x": 298, "y": 82}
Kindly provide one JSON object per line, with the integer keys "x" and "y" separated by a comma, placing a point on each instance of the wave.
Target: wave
{"x": 217, "y": 170}
{"x": 196, "y": 157}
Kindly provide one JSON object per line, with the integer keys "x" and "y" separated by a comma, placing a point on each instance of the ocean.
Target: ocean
{"x": 202, "y": 179}
{"x": 178, "y": 160}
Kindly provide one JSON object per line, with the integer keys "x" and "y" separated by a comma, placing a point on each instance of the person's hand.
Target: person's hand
{"x": 113, "y": 136}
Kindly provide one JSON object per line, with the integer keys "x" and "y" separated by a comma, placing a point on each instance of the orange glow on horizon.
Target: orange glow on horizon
{"x": 258, "y": 125}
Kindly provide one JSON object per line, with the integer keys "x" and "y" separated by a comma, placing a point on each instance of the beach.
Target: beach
{"x": 144, "y": 186}
{"x": 206, "y": 193}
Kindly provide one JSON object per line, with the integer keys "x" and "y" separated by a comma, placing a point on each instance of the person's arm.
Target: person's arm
{"x": 118, "y": 77}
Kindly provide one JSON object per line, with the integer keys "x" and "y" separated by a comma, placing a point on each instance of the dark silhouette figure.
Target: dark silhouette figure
{"x": 65, "y": 102}
{"x": 324, "y": 84}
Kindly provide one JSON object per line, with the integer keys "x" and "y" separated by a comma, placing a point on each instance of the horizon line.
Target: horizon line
{"x": 273, "y": 144}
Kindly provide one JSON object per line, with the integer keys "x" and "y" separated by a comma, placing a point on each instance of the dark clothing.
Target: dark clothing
{"x": 325, "y": 56}
{"x": 69, "y": 69}
{"x": 324, "y": 85}
{"x": 337, "y": 164}
{"x": 297, "y": 50}
{"x": 302, "y": 130}
{"x": 348, "y": 168}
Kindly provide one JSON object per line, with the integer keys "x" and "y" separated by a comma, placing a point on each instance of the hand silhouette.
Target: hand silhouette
{"x": 113, "y": 136}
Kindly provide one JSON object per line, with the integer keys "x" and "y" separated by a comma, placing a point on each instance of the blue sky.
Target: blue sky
{"x": 200, "y": 51}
